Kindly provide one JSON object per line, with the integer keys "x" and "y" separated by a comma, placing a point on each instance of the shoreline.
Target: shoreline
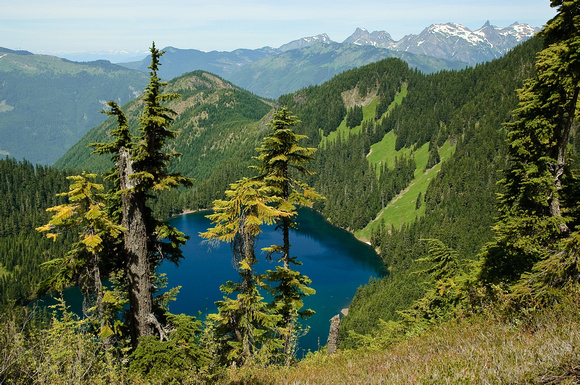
{"x": 189, "y": 211}
{"x": 361, "y": 239}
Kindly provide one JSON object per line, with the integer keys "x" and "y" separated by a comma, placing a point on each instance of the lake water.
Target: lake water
{"x": 335, "y": 261}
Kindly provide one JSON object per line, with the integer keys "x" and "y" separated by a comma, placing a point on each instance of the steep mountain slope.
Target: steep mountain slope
{"x": 292, "y": 70}
{"x": 217, "y": 122}
{"x": 47, "y": 103}
{"x": 468, "y": 109}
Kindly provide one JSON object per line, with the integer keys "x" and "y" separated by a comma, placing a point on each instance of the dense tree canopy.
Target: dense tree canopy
{"x": 534, "y": 212}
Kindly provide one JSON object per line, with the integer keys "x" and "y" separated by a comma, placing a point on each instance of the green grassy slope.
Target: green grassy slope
{"x": 215, "y": 120}
{"x": 402, "y": 210}
{"x": 537, "y": 349}
{"x": 343, "y": 132}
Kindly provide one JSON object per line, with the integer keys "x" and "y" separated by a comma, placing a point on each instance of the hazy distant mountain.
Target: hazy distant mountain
{"x": 270, "y": 72}
{"x": 305, "y": 42}
{"x": 292, "y": 70}
{"x": 177, "y": 61}
{"x": 452, "y": 41}
{"x": 114, "y": 56}
{"x": 378, "y": 38}
{"x": 47, "y": 103}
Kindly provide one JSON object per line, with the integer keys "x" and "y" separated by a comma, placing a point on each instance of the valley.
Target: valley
{"x": 463, "y": 180}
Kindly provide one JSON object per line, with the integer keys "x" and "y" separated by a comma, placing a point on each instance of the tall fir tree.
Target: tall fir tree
{"x": 534, "y": 215}
{"x": 280, "y": 157}
{"x": 244, "y": 325}
{"x": 141, "y": 170}
{"x": 82, "y": 265}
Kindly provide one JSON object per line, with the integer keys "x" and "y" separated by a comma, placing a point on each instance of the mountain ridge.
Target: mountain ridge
{"x": 48, "y": 103}
{"x": 452, "y": 41}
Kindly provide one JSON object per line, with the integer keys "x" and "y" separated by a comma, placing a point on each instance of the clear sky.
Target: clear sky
{"x": 70, "y": 26}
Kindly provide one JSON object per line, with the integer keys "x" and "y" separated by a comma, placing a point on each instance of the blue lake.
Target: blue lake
{"x": 335, "y": 261}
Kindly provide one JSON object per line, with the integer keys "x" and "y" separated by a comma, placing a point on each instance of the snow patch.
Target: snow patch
{"x": 458, "y": 30}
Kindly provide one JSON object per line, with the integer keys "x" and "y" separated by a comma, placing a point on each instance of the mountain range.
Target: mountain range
{"x": 47, "y": 103}
{"x": 452, "y": 41}
{"x": 52, "y": 102}
{"x": 271, "y": 72}
{"x": 315, "y": 59}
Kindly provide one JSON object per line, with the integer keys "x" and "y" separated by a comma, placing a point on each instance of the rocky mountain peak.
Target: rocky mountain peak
{"x": 362, "y": 36}
{"x": 306, "y": 42}
{"x": 452, "y": 41}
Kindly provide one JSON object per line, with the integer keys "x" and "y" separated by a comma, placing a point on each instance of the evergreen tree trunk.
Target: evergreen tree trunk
{"x": 286, "y": 221}
{"x": 289, "y": 317}
{"x": 137, "y": 264}
{"x": 557, "y": 169}
{"x": 247, "y": 286}
{"x": 286, "y": 241}
{"x": 98, "y": 288}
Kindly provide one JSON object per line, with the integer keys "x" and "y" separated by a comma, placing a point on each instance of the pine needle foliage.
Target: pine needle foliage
{"x": 85, "y": 215}
{"x": 280, "y": 158}
{"x": 534, "y": 216}
{"x": 245, "y": 330}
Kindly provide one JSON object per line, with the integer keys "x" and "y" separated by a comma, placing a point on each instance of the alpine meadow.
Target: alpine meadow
{"x": 464, "y": 180}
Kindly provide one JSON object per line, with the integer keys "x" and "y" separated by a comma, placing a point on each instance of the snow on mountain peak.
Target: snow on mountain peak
{"x": 361, "y": 36}
{"x": 456, "y": 30}
{"x": 451, "y": 41}
{"x": 306, "y": 41}
{"x": 519, "y": 31}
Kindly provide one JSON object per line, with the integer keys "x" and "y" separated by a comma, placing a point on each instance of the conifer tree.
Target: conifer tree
{"x": 141, "y": 170}
{"x": 447, "y": 290}
{"x": 533, "y": 214}
{"x": 280, "y": 157}
{"x": 244, "y": 324}
{"x": 84, "y": 213}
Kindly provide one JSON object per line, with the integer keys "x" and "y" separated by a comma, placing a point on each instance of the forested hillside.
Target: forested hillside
{"x": 218, "y": 124}
{"x": 26, "y": 191}
{"x": 455, "y": 107}
{"x": 47, "y": 104}
{"x": 382, "y": 131}
{"x": 460, "y": 204}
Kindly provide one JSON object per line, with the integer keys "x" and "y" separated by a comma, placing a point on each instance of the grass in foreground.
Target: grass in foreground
{"x": 540, "y": 348}
{"x": 534, "y": 347}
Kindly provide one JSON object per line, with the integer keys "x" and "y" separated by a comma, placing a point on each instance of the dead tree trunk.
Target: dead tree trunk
{"x": 333, "y": 335}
